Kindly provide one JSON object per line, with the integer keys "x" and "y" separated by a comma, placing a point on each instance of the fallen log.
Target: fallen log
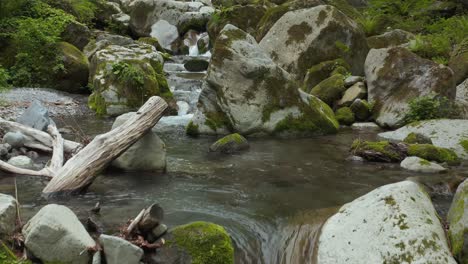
{"x": 37, "y": 139}
{"x": 80, "y": 171}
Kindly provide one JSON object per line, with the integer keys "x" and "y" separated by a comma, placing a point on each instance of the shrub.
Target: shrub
{"x": 4, "y": 78}
{"x": 430, "y": 107}
{"x": 84, "y": 10}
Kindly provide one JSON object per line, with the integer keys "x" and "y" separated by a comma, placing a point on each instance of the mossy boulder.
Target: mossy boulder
{"x": 395, "y": 76}
{"x": 322, "y": 71}
{"x": 391, "y": 38}
{"x": 345, "y": 116}
{"x": 382, "y": 151}
{"x": 433, "y": 153}
{"x": 76, "y": 34}
{"x": 124, "y": 77}
{"x": 303, "y": 38}
{"x": 361, "y": 109}
{"x": 245, "y": 17}
{"x": 198, "y": 243}
{"x": 246, "y": 92}
{"x": 417, "y": 138}
{"x": 153, "y": 42}
{"x": 459, "y": 62}
{"x": 457, "y": 219}
{"x": 230, "y": 144}
{"x": 75, "y": 76}
{"x": 196, "y": 65}
{"x": 330, "y": 90}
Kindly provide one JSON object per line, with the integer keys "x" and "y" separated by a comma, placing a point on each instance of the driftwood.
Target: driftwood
{"x": 135, "y": 222}
{"x": 80, "y": 171}
{"x": 152, "y": 216}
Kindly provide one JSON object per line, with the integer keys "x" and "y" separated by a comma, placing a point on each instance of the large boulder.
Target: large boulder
{"x": 246, "y": 92}
{"x": 303, "y": 38}
{"x": 118, "y": 250}
{"x": 457, "y": 219}
{"x": 147, "y": 154}
{"x": 444, "y": 133}
{"x": 166, "y": 34}
{"x": 395, "y": 223}
{"x": 56, "y": 235}
{"x": 395, "y": 76}
{"x": 459, "y": 62}
{"x": 75, "y": 76}
{"x": 124, "y": 77}
{"x": 8, "y": 206}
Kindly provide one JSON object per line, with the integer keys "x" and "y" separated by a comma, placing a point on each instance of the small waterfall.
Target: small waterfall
{"x": 191, "y": 41}
{"x": 183, "y": 108}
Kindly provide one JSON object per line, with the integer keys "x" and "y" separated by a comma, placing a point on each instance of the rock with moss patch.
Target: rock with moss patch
{"x": 147, "y": 154}
{"x": 75, "y": 76}
{"x": 317, "y": 73}
{"x": 421, "y": 165}
{"x": 444, "y": 133}
{"x": 395, "y": 76}
{"x": 196, "y": 65}
{"x": 459, "y": 62}
{"x": 197, "y": 242}
{"x": 230, "y": 144}
{"x": 457, "y": 219}
{"x": 246, "y": 92}
{"x": 330, "y": 90}
{"x": 417, "y": 138}
{"x": 393, "y": 38}
{"x": 194, "y": 20}
{"x": 104, "y": 39}
{"x": 124, "y": 77}
{"x": 395, "y": 223}
{"x": 357, "y": 91}
{"x": 345, "y": 116}
{"x": 433, "y": 153}
{"x": 76, "y": 34}
{"x": 380, "y": 151}
{"x": 361, "y": 109}
{"x": 303, "y": 38}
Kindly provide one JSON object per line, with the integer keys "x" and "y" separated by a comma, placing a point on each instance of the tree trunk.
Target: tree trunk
{"x": 80, "y": 171}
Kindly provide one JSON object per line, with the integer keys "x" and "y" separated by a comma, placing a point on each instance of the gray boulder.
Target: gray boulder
{"x": 395, "y": 76}
{"x": 14, "y": 139}
{"x": 23, "y": 162}
{"x": 395, "y": 223}
{"x": 104, "y": 39}
{"x": 457, "y": 219}
{"x": 118, "y": 250}
{"x": 8, "y": 206}
{"x": 147, "y": 154}
{"x": 421, "y": 165}
{"x": 36, "y": 116}
{"x": 55, "y": 234}
{"x": 166, "y": 34}
{"x": 306, "y": 37}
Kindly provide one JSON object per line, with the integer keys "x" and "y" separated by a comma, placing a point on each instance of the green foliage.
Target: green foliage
{"x": 84, "y": 10}
{"x": 430, "y": 107}
{"x": 129, "y": 74}
{"x": 4, "y": 78}
{"x": 8, "y": 257}
{"x": 192, "y": 130}
{"x": 10, "y": 8}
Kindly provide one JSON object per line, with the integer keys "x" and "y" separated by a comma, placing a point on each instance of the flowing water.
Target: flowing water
{"x": 271, "y": 199}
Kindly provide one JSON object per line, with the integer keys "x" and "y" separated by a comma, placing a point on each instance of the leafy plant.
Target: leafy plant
{"x": 430, "y": 107}
{"x": 4, "y": 78}
{"x": 129, "y": 74}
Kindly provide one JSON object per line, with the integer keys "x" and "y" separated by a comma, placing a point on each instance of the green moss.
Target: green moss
{"x": 97, "y": 103}
{"x": 153, "y": 42}
{"x": 415, "y": 138}
{"x": 389, "y": 200}
{"x": 433, "y": 153}
{"x": 456, "y": 218}
{"x": 206, "y": 243}
{"x": 8, "y": 257}
{"x": 322, "y": 71}
{"x": 345, "y": 116}
{"x": 464, "y": 144}
{"x": 222, "y": 47}
{"x": 298, "y": 33}
{"x": 330, "y": 90}
{"x": 217, "y": 120}
{"x": 192, "y": 130}
{"x": 424, "y": 162}
{"x": 387, "y": 151}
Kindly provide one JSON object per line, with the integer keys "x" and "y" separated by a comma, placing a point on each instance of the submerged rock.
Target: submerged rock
{"x": 147, "y": 154}
{"x": 118, "y": 250}
{"x": 457, "y": 219}
{"x": 56, "y": 235}
{"x": 197, "y": 242}
{"x": 382, "y": 151}
{"x": 246, "y": 92}
{"x": 36, "y": 116}
{"x": 196, "y": 65}
{"x": 8, "y": 206}
{"x": 230, "y": 143}
{"x": 306, "y": 37}
{"x": 395, "y": 76}
{"x": 395, "y": 223}
{"x": 421, "y": 165}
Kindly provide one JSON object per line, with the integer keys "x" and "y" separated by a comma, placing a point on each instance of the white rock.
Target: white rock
{"x": 7, "y": 214}
{"x": 421, "y": 165}
{"x": 55, "y": 234}
{"x": 457, "y": 219}
{"x": 444, "y": 133}
{"x": 120, "y": 251}
{"x": 395, "y": 223}
{"x": 165, "y": 33}
{"x": 21, "y": 162}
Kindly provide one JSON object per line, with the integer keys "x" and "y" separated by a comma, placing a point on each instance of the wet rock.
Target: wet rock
{"x": 147, "y": 154}
{"x": 318, "y": 73}
{"x": 166, "y": 34}
{"x": 201, "y": 241}
{"x": 357, "y": 91}
{"x": 152, "y": 216}
{"x": 345, "y": 116}
{"x": 246, "y": 92}
{"x": 23, "y": 162}
{"x": 444, "y": 133}
{"x": 457, "y": 219}
{"x": 4, "y": 149}
{"x": 421, "y": 165}
{"x": 36, "y": 116}
{"x": 355, "y": 158}
{"x": 14, "y": 139}
{"x": 395, "y": 76}
{"x": 118, "y": 250}
{"x": 55, "y": 234}
{"x": 380, "y": 151}
{"x": 351, "y": 80}
{"x": 230, "y": 144}
{"x": 391, "y": 38}
{"x": 416, "y": 138}
{"x": 196, "y": 65}
{"x": 361, "y": 109}
{"x": 459, "y": 62}
{"x": 76, "y": 34}
{"x": 306, "y": 37}
{"x": 8, "y": 206}
{"x": 388, "y": 225}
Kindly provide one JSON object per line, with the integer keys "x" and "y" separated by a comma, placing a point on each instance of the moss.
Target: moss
{"x": 456, "y": 218}
{"x": 330, "y": 90}
{"x": 416, "y": 138}
{"x": 389, "y": 200}
{"x": 230, "y": 143}
{"x": 153, "y": 42}
{"x": 464, "y": 144}
{"x": 217, "y": 120}
{"x": 97, "y": 103}
{"x": 222, "y": 47}
{"x": 386, "y": 150}
{"x": 361, "y": 109}
{"x": 298, "y": 33}
{"x": 192, "y": 130}
{"x": 424, "y": 162}
{"x": 206, "y": 243}
{"x": 433, "y": 153}
{"x": 322, "y": 71}
{"x": 345, "y": 116}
